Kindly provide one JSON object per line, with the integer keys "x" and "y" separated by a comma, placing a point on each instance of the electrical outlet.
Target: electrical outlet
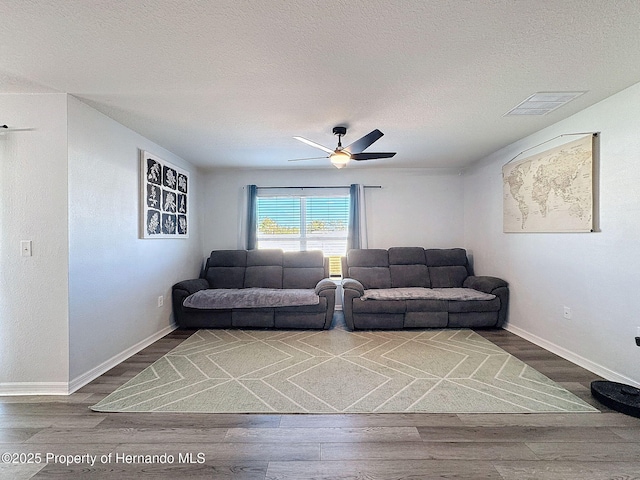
{"x": 160, "y": 301}
{"x": 567, "y": 313}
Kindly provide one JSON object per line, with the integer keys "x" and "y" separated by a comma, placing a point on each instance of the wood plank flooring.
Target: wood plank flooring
{"x": 339, "y": 447}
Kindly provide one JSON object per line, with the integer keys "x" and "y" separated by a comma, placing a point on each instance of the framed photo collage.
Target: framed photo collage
{"x": 164, "y": 198}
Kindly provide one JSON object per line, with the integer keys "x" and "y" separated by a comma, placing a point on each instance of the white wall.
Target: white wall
{"x": 595, "y": 274}
{"x": 115, "y": 278}
{"x": 414, "y": 207}
{"x": 33, "y": 206}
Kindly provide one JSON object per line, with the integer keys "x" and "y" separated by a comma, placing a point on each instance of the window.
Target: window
{"x": 304, "y": 219}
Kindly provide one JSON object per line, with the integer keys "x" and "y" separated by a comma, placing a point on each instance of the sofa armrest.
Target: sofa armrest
{"x": 356, "y": 288}
{"x": 351, "y": 289}
{"x": 182, "y": 290}
{"x": 484, "y": 283}
{"x": 191, "y": 286}
{"x": 495, "y": 286}
{"x": 324, "y": 285}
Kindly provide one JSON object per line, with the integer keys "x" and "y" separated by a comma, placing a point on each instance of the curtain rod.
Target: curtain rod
{"x": 330, "y": 186}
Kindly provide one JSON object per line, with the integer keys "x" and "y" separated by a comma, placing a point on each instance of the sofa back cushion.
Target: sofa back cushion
{"x": 408, "y": 267}
{"x": 370, "y": 267}
{"x": 226, "y": 268}
{"x": 264, "y": 269}
{"x": 448, "y": 268}
{"x": 303, "y": 269}
{"x": 407, "y": 256}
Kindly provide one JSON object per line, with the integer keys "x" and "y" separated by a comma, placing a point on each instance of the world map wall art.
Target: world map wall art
{"x": 552, "y": 191}
{"x": 164, "y": 198}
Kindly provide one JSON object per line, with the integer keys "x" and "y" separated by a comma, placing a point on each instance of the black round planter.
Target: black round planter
{"x": 618, "y": 396}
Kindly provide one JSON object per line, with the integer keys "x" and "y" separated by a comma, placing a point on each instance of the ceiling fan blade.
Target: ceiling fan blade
{"x": 359, "y": 145}
{"x": 302, "y": 159}
{"x": 6, "y": 129}
{"x": 371, "y": 156}
{"x": 314, "y": 144}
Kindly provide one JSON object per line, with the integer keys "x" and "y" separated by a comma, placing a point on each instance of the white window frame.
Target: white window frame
{"x": 303, "y": 239}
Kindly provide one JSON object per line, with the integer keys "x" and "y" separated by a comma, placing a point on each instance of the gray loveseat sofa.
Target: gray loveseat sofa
{"x": 405, "y": 287}
{"x": 257, "y": 289}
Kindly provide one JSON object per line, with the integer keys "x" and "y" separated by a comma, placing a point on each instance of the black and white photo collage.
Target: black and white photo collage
{"x": 165, "y": 204}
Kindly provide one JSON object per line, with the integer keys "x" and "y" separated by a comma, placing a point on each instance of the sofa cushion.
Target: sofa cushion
{"x": 302, "y": 269}
{"x": 264, "y": 269}
{"x": 263, "y": 276}
{"x": 265, "y": 257}
{"x": 409, "y": 276}
{"x": 225, "y": 268}
{"x": 250, "y": 298}
{"x": 227, "y": 258}
{"x": 225, "y": 277}
{"x": 415, "y": 293}
{"x": 302, "y": 277}
{"x": 441, "y": 257}
{"x": 370, "y": 267}
{"x": 312, "y": 258}
{"x": 407, "y": 256}
{"x": 447, "y": 277}
{"x": 371, "y": 277}
{"x": 448, "y": 267}
{"x": 372, "y": 257}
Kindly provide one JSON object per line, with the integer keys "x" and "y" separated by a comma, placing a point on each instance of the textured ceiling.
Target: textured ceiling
{"x": 228, "y": 83}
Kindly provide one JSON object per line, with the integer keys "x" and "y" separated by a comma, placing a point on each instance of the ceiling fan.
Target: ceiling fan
{"x": 341, "y": 156}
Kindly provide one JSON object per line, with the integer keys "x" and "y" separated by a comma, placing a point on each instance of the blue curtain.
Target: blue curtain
{"x": 354, "y": 237}
{"x": 252, "y": 194}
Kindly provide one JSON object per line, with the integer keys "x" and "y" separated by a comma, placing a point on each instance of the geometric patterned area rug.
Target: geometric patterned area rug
{"x": 336, "y": 371}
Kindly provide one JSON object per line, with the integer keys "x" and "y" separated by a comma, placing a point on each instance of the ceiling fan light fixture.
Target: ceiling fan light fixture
{"x": 339, "y": 159}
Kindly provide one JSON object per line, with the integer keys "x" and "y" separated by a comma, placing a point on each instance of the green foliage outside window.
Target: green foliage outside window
{"x": 268, "y": 226}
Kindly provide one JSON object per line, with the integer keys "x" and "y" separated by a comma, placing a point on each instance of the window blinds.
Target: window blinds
{"x": 303, "y": 219}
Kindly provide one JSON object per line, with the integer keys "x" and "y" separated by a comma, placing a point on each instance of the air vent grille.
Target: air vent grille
{"x": 542, "y": 103}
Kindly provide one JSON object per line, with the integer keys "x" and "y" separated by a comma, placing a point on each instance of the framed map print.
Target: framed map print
{"x": 164, "y": 198}
{"x": 552, "y": 191}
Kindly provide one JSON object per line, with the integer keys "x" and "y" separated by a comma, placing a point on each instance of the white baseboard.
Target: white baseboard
{"x": 63, "y": 388}
{"x": 572, "y": 357}
{"x": 81, "y": 380}
{"x": 34, "y": 388}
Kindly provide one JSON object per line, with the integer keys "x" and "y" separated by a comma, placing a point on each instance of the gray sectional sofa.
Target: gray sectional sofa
{"x": 257, "y": 289}
{"x": 413, "y": 287}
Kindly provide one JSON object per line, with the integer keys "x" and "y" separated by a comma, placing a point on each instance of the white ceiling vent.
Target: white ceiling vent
{"x": 542, "y": 103}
